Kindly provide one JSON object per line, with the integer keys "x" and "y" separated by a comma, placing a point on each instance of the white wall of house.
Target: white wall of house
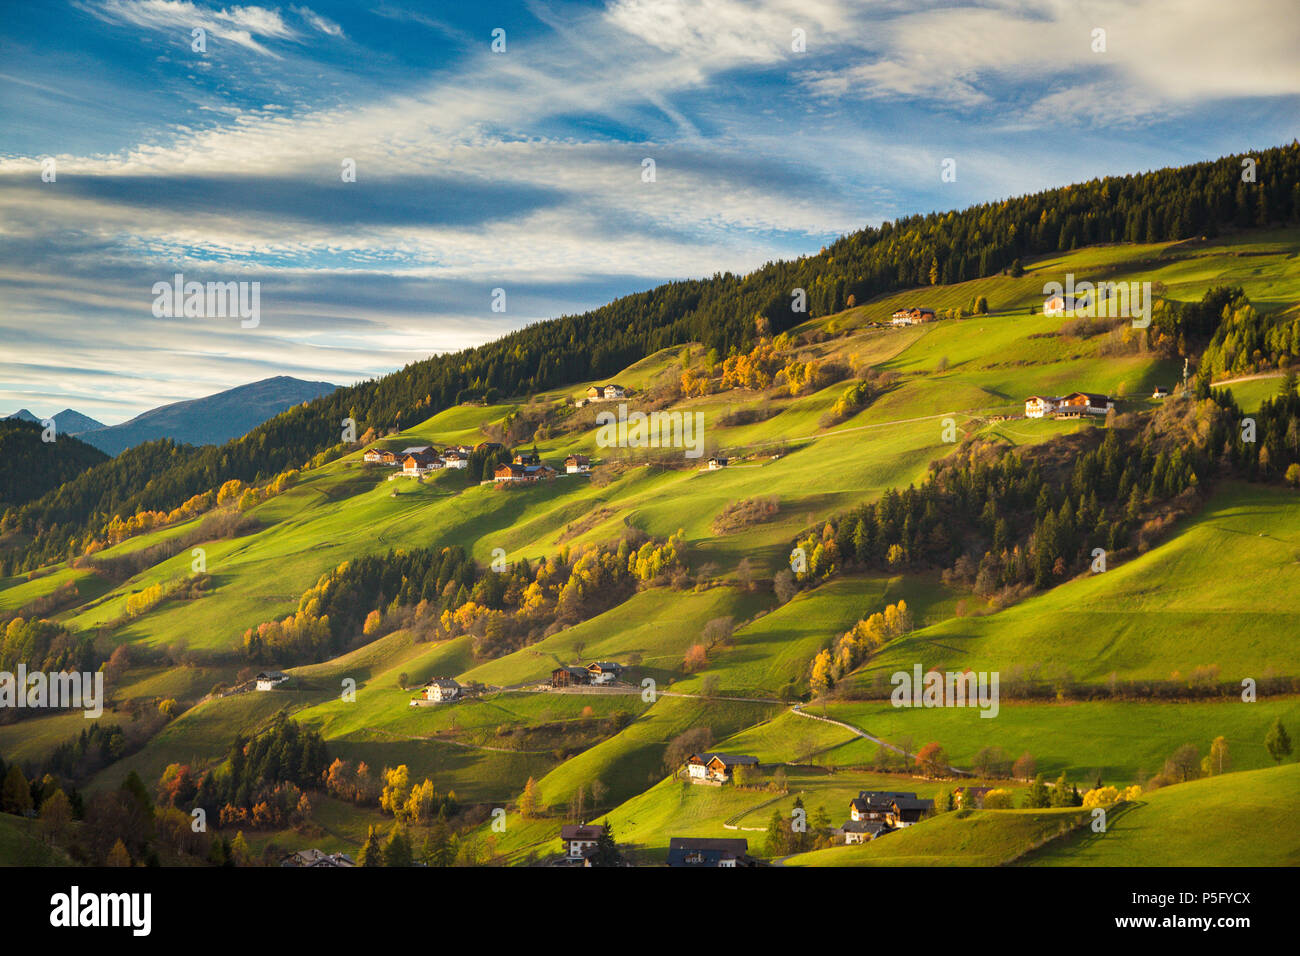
{"x": 577, "y": 846}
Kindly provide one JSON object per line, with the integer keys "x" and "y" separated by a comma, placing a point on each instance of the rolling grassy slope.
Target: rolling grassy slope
{"x": 658, "y": 624}
{"x": 1123, "y": 740}
{"x": 1185, "y": 604}
{"x": 1251, "y": 822}
{"x": 982, "y": 838}
{"x": 1180, "y": 606}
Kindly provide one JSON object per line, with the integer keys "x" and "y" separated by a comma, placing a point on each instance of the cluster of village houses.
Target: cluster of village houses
{"x": 578, "y": 844}
{"x": 419, "y": 460}
{"x": 444, "y": 690}
{"x": 872, "y": 813}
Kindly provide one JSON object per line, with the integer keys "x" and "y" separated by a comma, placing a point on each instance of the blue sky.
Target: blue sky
{"x": 522, "y": 169}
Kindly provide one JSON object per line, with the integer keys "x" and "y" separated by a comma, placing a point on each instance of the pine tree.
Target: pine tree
{"x": 1038, "y": 797}
{"x": 438, "y": 847}
{"x": 778, "y": 835}
{"x": 397, "y": 850}
{"x": 239, "y": 851}
{"x": 1278, "y": 741}
{"x": 606, "y": 852}
{"x": 372, "y": 854}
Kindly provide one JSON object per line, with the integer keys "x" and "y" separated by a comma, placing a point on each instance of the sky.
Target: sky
{"x": 503, "y": 146}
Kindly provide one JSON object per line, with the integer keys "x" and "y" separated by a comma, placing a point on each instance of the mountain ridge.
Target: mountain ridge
{"x": 212, "y": 419}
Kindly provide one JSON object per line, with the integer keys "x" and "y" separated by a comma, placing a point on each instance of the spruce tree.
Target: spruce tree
{"x": 1278, "y": 741}
{"x": 397, "y": 850}
{"x": 372, "y": 854}
{"x": 1037, "y": 798}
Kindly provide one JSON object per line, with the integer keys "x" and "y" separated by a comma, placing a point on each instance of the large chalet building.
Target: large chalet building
{"x": 873, "y": 813}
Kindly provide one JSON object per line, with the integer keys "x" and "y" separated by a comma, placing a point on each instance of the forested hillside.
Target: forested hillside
{"x": 30, "y": 467}
{"x": 723, "y": 312}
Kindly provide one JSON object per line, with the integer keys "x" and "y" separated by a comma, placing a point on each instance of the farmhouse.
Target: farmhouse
{"x": 373, "y": 456}
{"x": 527, "y": 458}
{"x": 269, "y": 680}
{"x": 577, "y": 464}
{"x": 577, "y": 839}
{"x": 912, "y": 316}
{"x": 420, "y": 463}
{"x": 708, "y": 852}
{"x": 1038, "y": 406}
{"x": 862, "y": 831}
{"x": 488, "y": 446}
{"x": 604, "y": 672}
{"x": 716, "y": 768}
{"x": 607, "y": 393}
{"x": 389, "y": 458}
{"x": 441, "y": 690}
{"x": 455, "y": 458}
{"x": 1160, "y": 393}
{"x": 907, "y": 811}
{"x": 875, "y": 805}
{"x": 1074, "y": 405}
{"x": 517, "y": 472}
{"x": 1084, "y": 403}
{"x": 1061, "y": 304}
{"x": 716, "y": 463}
{"x": 570, "y": 674}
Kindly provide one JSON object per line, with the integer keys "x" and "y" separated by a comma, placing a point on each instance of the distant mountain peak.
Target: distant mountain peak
{"x": 213, "y": 419}
{"x": 67, "y": 422}
{"x": 72, "y": 422}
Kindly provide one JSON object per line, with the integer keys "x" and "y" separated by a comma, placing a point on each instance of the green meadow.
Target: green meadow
{"x": 1254, "y": 825}
{"x": 1215, "y": 596}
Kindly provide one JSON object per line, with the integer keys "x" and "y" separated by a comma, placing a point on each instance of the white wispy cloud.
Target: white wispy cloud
{"x": 1159, "y": 52}
{"x": 323, "y": 24}
{"x": 244, "y": 26}
{"x": 523, "y": 170}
